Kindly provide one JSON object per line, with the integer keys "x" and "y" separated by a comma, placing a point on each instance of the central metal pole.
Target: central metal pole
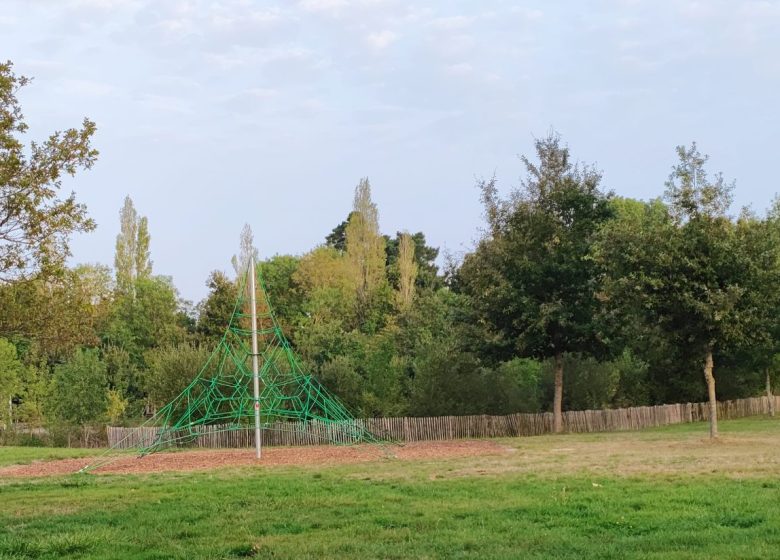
{"x": 255, "y": 373}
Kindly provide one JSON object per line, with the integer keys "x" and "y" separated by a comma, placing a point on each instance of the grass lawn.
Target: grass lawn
{"x": 26, "y": 455}
{"x": 662, "y": 493}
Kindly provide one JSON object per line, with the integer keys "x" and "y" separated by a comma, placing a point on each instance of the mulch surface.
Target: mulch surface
{"x": 202, "y": 459}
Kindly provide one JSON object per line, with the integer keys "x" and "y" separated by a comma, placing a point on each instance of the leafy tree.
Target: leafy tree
{"x": 449, "y": 381}
{"x": 407, "y": 271}
{"x": 149, "y": 320}
{"x": 327, "y": 279}
{"x": 530, "y": 279}
{"x": 337, "y": 238}
{"x": 365, "y": 250}
{"x": 218, "y": 307}
{"x": 62, "y": 311}
{"x": 79, "y": 394}
{"x": 170, "y": 370}
{"x": 10, "y": 380}
{"x": 424, "y": 256}
{"x": 35, "y": 224}
{"x": 126, "y": 392}
{"x": 247, "y": 251}
{"x": 33, "y": 393}
{"x": 143, "y": 262}
{"x": 279, "y": 273}
{"x": 131, "y": 259}
{"x": 340, "y": 375}
{"x": 523, "y": 377}
{"x": 691, "y": 271}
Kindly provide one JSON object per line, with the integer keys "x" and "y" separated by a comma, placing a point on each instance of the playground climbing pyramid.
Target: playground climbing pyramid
{"x": 222, "y": 393}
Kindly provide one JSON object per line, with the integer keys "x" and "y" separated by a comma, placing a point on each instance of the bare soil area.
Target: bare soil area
{"x": 203, "y": 459}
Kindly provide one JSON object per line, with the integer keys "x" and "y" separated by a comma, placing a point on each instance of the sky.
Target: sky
{"x": 216, "y": 113}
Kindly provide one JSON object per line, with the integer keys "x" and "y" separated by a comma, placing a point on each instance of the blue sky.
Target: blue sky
{"x": 215, "y": 113}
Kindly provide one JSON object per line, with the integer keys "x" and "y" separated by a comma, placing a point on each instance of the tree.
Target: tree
{"x": 10, "y": 380}
{"x": 529, "y": 278}
{"x": 424, "y": 257}
{"x": 689, "y": 270}
{"x": 61, "y": 311}
{"x": 143, "y": 263}
{"x": 35, "y": 224}
{"x": 337, "y": 238}
{"x": 328, "y": 282}
{"x": 365, "y": 249}
{"x": 278, "y": 274}
{"x": 149, "y": 320}
{"x": 247, "y": 251}
{"x": 131, "y": 259}
{"x": 407, "y": 271}
{"x": 171, "y": 368}
{"x": 79, "y": 393}
{"x": 217, "y": 309}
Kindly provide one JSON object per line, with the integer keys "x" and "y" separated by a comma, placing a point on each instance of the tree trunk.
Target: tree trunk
{"x": 770, "y": 397}
{"x": 711, "y": 390}
{"x": 558, "y": 399}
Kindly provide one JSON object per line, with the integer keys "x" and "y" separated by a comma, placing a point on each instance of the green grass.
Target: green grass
{"x": 25, "y": 455}
{"x": 484, "y": 507}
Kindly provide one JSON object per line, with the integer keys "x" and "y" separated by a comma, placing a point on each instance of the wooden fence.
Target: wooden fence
{"x": 458, "y": 427}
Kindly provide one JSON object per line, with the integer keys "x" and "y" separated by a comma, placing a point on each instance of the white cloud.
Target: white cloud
{"x": 528, "y": 14}
{"x": 381, "y": 39}
{"x": 104, "y": 4}
{"x": 460, "y": 69}
{"x": 452, "y": 22}
{"x": 325, "y": 6}
{"x": 87, "y": 88}
{"x": 166, "y": 103}
{"x": 227, "y": 17}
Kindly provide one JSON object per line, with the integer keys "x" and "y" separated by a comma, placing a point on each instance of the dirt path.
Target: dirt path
{"x": 272, "y": 456}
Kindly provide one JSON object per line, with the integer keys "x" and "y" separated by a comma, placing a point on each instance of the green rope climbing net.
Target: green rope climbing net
{"x": 221, "y": 394}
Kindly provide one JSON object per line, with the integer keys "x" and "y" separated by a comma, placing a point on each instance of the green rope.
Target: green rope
{"x": 290, "y": 398}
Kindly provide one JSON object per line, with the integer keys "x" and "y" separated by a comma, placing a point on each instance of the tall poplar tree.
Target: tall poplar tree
{"x": 247, "y": 250}
{"x": 407, "y": 271}
{"x": 131, "y": 259}
{"x": 365, "y": 247}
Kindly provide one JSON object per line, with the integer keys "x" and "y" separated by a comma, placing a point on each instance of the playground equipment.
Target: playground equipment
{"x": 252, "y": 378}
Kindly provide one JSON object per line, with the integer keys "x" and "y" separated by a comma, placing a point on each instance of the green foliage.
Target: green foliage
{"x": 340, "y": 375}
{"x": 591, "y": 384}
{"x": 687, "y": 272}
{"x": 632, "y": 293}
{"x": 523, "y": 378}
{"x": 215, "y": 311}
{"x": 337, "y": 238}
{"x": 366, "y": 255}
{"x": 279, "y": 275}
{"x": 146, "y": 320}
{"x": 64, "y": 310}
{"x": 10, "y": 379}
{"x": 170, "y": 369}
{"x": 424, "y": 257}
{"x": 35, "y": 225}
{"x": 79, "y": 389}
{"x": 131, "y": 258}
{"x": 633, "y": 383}
{"x": 529, "y": 278}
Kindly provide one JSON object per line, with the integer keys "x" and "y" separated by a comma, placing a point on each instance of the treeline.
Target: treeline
{"x": 573, "y": 298}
